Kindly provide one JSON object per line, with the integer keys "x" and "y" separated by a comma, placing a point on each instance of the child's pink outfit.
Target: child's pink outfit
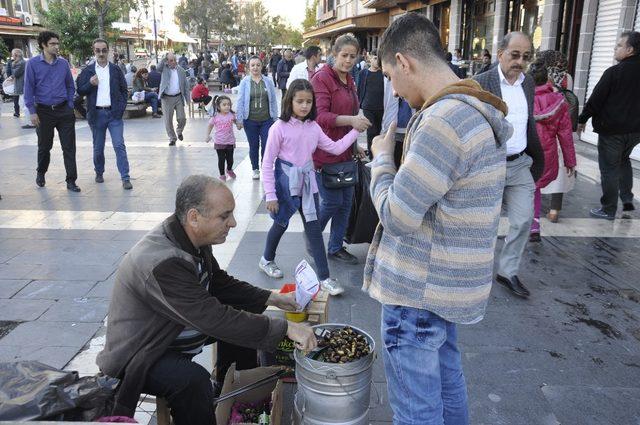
{"x": 224, "y": 141}
{"x": 553, "y": 124}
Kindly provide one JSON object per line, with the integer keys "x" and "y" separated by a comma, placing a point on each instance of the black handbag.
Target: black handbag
{"x": 339, "y": 175}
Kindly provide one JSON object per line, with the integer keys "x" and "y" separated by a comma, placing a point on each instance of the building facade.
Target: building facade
{"x": 20, "y": 24}
{"x": 586, "y": 31}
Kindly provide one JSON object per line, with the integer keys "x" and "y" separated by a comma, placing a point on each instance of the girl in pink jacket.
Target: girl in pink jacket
{"x": 289, "y": 180}
{"x": 553, "y": 124}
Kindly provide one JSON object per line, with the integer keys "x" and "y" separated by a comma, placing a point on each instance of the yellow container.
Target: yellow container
{"x": 297, "y": 317}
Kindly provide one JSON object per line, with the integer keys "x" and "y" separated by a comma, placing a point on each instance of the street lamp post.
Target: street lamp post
{"x": 155, "y": 29}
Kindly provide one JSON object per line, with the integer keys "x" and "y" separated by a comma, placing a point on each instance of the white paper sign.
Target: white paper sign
{"x": 307, "y": 284}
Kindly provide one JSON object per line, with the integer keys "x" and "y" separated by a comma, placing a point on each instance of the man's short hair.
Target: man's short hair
{"x": 448, "y": 56}
{"x": 412, "y": 35}
{"x": 192, "y": 193}
{"x": 504, "y": 43}
{"x": 633, "y": 41}
{"x": 100, "y": 40}
{"x": 17, "y": 51}
{"x": 152, "y": 67}
{"x": 311, "y": 52}
{"x": 45, "y": 36}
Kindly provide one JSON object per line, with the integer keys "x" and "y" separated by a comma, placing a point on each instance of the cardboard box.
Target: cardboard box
{"x": 236, "y": 379}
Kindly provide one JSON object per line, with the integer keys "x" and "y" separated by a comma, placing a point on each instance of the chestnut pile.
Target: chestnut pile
{"x": 343, "y": 346}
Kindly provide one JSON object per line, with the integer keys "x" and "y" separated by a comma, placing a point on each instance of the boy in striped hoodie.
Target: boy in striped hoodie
{"x": 431, "y": 260}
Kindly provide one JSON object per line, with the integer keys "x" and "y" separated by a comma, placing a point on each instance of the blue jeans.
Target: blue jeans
{"x": 257, "y": 133}
{"x": 152, "y": 98}
{"x": 314, "y": 236}
{"x": 99, "y": 128}
{"x": 335, "y": 205}
{"x": 423, "y": 367}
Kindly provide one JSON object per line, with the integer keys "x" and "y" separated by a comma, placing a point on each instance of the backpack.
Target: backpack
{"x": 404, "y": 113}
{"x": 574, "y": 105}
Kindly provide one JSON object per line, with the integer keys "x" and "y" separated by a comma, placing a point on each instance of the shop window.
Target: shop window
{"x": 526, "y": 16}
{"x": 478, "y": 19}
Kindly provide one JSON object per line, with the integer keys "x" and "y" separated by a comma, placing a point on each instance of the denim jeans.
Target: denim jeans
{"x": 314, "y": 236}
{"x": 423, "y": 367}
{"x": 99, "y": 128}
{"x": 335, "y": 205}
{"x": 257, "y": 133}
{"x": 152, "y": 98}
{"x": 616, "y": 174}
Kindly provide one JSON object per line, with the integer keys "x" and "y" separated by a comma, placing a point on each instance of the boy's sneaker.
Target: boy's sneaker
{"x": 600, "y": 213}
{"x": 270, "y": 268}
{"x": 331, "y": 286}
{"x": 223, "y": 178}
{"x": 231, "y": 174}
{"x": 256, "y": 174}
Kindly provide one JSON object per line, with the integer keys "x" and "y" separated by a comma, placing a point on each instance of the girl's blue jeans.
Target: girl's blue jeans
{"x": 423, "y": 367}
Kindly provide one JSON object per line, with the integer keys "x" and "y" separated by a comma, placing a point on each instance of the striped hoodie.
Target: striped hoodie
{"x": 439, "y": 213}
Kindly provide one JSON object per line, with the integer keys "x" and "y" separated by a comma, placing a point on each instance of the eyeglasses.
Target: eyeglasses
{"x": 101, "y": 50}
{"x": 526, "y": 56}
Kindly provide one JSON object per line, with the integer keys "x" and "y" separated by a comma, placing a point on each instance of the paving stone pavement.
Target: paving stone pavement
{"x": 570, "y": 354}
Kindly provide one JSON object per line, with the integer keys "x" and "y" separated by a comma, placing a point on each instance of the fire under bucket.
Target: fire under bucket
{"x": 330, "y": 393}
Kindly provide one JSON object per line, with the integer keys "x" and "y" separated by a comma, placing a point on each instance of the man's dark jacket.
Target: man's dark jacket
{"x": 490, "y": 81}
{"x": 117, "y": 87}
{"x": 157, "y": 293}
{"x": 615, "y": 101}
{"x": 154, "y": 79}
{"x": 283, "y": 71}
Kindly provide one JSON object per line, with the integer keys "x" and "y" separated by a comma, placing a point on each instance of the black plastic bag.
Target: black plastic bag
{"x": 363, "y": 219}
{"x": 31, "y": 390}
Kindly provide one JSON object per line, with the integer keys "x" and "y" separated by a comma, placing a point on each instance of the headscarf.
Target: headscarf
{"x": 556, "y": 64}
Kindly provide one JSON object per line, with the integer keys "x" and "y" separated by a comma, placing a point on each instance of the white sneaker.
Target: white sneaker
{"x": 256, "y": 174}
{"x": 270, "y": 268}
{"x": 331, "y": 286}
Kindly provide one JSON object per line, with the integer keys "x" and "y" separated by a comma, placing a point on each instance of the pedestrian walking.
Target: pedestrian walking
{"x": 149, "y": 94}
{"x": 224, "y": 141}
{"x": 288, "y": 177}
{"x": 337, "y": 104}
{"x": 371, "y": 96}
{"x": 17, "y": 73}
{"x": 615, "y": 112}
{"x": 307, "y": 68}
{"x": 273, "y": 65}
{"x": 553, "y": 125}
{"x": 106, "y": 91}
{"x": 174, "y": 95}
{"x": 423, "y": 265}
{"x": 8, "y": 70}
{"x": 48, "y": 94}
{"x": 285, "y": 66}
{"x": 256, "y": 112}
{"x": 525, "y": 159}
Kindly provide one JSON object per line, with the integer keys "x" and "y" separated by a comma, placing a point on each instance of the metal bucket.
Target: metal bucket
{"x": 331, "y": 393}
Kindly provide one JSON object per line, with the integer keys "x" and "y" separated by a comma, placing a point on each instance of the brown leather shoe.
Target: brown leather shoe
{"x": 552, "y": 216}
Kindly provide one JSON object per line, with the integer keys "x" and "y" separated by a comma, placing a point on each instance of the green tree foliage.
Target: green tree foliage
{"x": 4, "y": 50}
{"x": 310, "y": 20}
{"x": 206, "y": 18}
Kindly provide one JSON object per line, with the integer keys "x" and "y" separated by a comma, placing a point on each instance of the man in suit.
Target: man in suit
{"x": 525, "y": 160}
{"x": 174, "y": 94}
{"x": 104, "y": 86}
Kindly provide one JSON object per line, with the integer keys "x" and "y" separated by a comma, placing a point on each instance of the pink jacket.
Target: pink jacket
{"x": 553, "y": 124}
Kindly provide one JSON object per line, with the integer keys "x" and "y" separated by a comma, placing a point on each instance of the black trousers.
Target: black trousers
{"x": 375, "y": 117}
{"x": 616, "y": 173}
{"x": 62, "y": 119}
{"x": 204, "y": 100}
{"x": 225, "y": 156}
{"x": 16, "y": 105}
{"x": 556, "y": 201}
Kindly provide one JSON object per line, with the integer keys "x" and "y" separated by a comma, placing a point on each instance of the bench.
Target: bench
{"x": 135, "y": 110}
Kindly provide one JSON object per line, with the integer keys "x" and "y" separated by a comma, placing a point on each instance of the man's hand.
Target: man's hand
{"x": 580, "y": 129}
{"x": 94, "y": 80}
{"x": 302, "y": 335}
{"x": 272, "y": 207}
{"x": 360, "y": 153}
{"x": 239, "y": 125}
{"x": 360, "y": 123}
{"x": 286, "y": 302}
{"x": 570, "y": 171}
{"x": 35, "y": 120}
{"x": 384, "y": 144}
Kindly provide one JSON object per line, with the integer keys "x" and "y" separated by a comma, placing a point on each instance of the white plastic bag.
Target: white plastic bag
{"x": 9, "y": 86}
{"x": 307, "y": 284}
{"x": 138, "y": 97}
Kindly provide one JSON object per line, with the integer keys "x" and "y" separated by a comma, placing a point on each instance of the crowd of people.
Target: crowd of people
{"x": 448, "y": 155}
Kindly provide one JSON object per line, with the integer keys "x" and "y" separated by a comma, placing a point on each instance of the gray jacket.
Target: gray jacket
{"x": 17, "y": 71}
{"x": 166, "y": 77}
{"x": 490, "y": 81}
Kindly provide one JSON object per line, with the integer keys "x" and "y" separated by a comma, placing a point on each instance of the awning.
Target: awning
{"x": 149, "y": 37}
{"x": 379, "y": 20}
{"x": 178, "y": 37}
{"x": 19, "y": 30}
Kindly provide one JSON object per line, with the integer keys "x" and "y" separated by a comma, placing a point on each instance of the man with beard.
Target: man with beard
{"x": 525, "y": 160}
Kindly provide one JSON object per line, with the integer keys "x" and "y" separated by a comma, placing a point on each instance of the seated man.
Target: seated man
{"x": 170, "y": 298}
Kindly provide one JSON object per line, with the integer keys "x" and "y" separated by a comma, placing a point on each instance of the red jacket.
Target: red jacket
{"x": 553, "y": 122}
{"x": 333, "y": 98}
{"x": 199, "y": 91}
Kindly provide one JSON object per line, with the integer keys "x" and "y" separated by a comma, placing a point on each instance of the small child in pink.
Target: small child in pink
{"x": 224, "y": 141}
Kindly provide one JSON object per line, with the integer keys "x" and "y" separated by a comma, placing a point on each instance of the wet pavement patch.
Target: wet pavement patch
{"x": 605, "y": 328}
{"x": 555, "y": 354}
{"x": 6, "y": 327}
